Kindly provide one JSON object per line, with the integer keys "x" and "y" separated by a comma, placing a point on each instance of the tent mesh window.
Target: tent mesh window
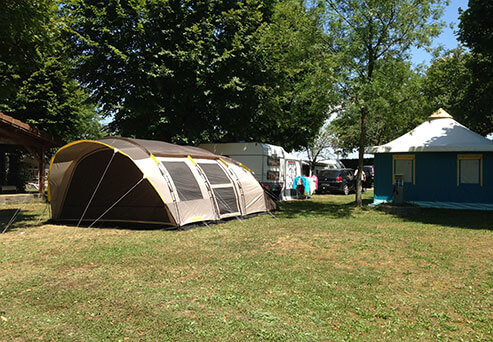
{"x": 226, "y": 200}
{"x": 214, "y": 174}
{"x": 225, "y": 196}
{"x": 186, "y": 185}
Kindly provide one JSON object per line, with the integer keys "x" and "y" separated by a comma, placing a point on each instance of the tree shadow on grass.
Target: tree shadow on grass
{"x": 313, "y": 208}
{"x": 23, "y": 217}
{"x": 465, "y": 219}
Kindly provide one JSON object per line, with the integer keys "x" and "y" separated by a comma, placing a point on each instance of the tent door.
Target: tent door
{"x": 223, "y": 189}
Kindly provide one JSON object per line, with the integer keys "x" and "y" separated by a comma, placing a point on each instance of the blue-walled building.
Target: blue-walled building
{"x": 443, "y": 165}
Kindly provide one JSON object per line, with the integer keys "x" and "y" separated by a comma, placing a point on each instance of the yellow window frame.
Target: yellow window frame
{"x": 470, "y": 156}
{"x": 403, "y": 157}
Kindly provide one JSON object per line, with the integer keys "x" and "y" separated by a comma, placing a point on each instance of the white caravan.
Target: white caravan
{"x": 271, "y": 165}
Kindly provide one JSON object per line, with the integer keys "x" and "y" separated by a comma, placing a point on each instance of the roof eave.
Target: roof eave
{"x": 411, "y": 149}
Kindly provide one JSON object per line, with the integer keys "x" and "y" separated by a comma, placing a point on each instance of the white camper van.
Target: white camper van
{"x": 271, "y": 165}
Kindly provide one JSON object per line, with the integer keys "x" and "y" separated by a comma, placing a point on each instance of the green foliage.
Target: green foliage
{"x": 24, "y": 35}
{"x": 195, "y": 71}
{"x": 476, "y": 27}
{"x": 396, "y": 108}
{"x": 36, "y": 81}
{"x": 476, "y": 32}
{"x": 372, "y": 41}
{"x": 451, "y": 83}
{"x": 53, "y": 101}
{"x": 299, "y": 70}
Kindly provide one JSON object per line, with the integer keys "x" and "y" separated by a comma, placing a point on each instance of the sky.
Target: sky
{"x": 448, "y": 37}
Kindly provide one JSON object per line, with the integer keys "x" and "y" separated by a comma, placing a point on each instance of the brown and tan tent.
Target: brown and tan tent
{"x": 143, "y": 181}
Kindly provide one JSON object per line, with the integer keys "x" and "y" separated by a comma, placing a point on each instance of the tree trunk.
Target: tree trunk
{"x": 41, "y": 172}
{"x": 362, "y": 143}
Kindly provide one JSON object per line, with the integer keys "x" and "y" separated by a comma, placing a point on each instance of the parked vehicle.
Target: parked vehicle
{"x": 327, "y": 164}
{"x": 338, "y": 180}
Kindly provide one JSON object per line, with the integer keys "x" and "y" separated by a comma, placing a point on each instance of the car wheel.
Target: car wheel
{"x": 345, "y": 189}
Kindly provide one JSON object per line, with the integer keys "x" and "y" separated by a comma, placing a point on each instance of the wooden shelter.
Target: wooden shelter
{"x": 36, "y": 142}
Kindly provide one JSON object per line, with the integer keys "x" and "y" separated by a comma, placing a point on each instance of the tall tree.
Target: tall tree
{"x": 36, "y": 81}
{"x": 319, "y": 148}
{"x": 50, "y": 99}
{"x": 24, "y": 37}
{"x": 395, "y": 109}
{"x": 369, "y": 36}
{"x": 298, "y": 86}
{"x": 196, "y": 71}
{"x": 476, "y": 32}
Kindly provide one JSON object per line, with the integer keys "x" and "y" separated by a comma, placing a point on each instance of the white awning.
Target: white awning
{"x": 441, "y": 133}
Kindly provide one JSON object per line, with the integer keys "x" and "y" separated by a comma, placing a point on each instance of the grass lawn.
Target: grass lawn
{"x": 320, "y": 270}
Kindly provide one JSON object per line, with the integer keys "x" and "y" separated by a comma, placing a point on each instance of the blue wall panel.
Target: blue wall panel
{"x": 436, "y": 179}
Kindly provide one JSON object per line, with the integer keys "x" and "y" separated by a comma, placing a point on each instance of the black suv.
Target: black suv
{"x": 336, "y": 180}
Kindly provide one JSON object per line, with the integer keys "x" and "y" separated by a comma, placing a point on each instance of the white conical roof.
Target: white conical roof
{"x": 441, "y": 133}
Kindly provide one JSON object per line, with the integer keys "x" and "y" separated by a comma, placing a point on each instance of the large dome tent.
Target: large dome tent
{"x": 126, "y": 180}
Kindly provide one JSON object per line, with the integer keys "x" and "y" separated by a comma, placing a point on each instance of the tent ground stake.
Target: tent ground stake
{"x": 12, "y": 219}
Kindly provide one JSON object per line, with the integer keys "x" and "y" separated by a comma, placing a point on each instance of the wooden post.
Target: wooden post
{"x": 41, "y": 175}
{"x": 3, "y": 166}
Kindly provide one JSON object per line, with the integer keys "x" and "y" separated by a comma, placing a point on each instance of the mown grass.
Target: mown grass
{"x": 320, "y": 270}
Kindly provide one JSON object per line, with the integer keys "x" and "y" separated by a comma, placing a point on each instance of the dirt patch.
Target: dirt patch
{"x": 288, "y": 243}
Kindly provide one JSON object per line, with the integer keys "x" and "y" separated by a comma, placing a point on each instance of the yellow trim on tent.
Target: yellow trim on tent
{"x": 197, "y": 218}
{"x": 414, "y": 171}
{"x": 403, "y": 156}
{"x": 222, "y": 160}
{"x": 481, "y": 171}
{"x": 150, "y": 182}
{"x": 108, "y": 146}
{"x": 154, "y": 158}
{"x": 126, "y": 221}
{"x": 246, "y": 168}
{"x": 155, "y": 188}
{"x": 193, "y": 161}
{"x": 74, "y": 143}
{"x": 469, "y": 156}
{"x": 49, "y": 171}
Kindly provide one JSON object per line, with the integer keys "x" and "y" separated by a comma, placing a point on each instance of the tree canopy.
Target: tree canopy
{"x": 196, "y": 71}
{"x": 396, "y": 108}
{"x": 36, "y": 80}
{"x": 372, "y": 40}
{"x": 192, "y": 71}
{"x": 476, "y": 27}
{"x": 454, "y": 82}
{"x": 476, "y": 32}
